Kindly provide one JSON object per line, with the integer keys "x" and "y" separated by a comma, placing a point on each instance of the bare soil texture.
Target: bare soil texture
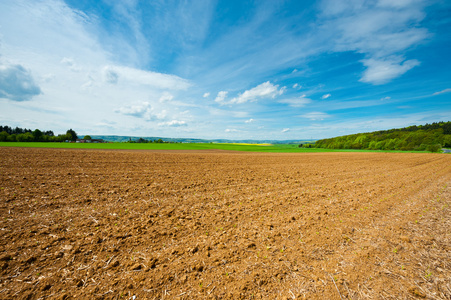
{"x": 82, "y": 224}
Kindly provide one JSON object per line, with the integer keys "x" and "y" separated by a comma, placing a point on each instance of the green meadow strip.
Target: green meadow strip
{"x": 167, "y": 146}
{"x": 279, "y": 148}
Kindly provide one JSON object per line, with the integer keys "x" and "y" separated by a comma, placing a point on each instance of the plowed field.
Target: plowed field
{"x": 93, "y": 224}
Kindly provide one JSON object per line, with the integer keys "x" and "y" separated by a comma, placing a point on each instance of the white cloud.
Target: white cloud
{"x": 442, "y": 92}
{"x": 231, "y": 130}
{"x": 316, "y": 116}
{"x": 166, "y": 97}
{"x": 285, "y": 130}
{"x": 297, "y": 86}
{"x": 173, "y": 123}
{"x": 17, "y": 83}
{"x": 221, "y": 96}
{"x": 385, "y": 98}
{"x": 380, "y": 71}
{"x": 264, "y": 90}
{"x": 249, "y": 121}
{"x": 206, "y": 95}
{"x": 326, "y": 96}
{"x": 296, "y": 102}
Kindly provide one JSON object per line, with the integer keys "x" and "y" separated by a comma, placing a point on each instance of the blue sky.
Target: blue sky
{"x": 224, "y": 69}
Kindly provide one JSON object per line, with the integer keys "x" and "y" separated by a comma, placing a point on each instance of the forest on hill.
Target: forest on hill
{"x": 429, "y": 137}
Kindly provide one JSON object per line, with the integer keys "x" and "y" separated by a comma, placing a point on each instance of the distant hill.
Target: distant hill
{"x": 429, "y": 137}
{"x": 117, "y": 138}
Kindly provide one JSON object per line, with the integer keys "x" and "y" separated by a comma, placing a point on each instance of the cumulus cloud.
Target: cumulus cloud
{"x": 264, "y": 90}
{"x": 442, "y": 92}
{"x": 326, "y": 96}
{"x": 173, "y": 123}
{"x": 315, "y": 116}
{"x": 221, "y": 96}
{"x": 249, "y": 121}
{"x": 17, "y": 83}
{"x": 166, "y": 97}
{"x": 380, "y": 71}
{"x": 206, "y": 95}
{"x": 296, "y": 102}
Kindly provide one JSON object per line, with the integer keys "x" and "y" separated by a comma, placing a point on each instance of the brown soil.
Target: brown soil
{"x": 80, "y": 224}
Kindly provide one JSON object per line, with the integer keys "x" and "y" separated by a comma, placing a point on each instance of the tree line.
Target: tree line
{"x": 429, "y": 137}
{"x": 9, "y": 134}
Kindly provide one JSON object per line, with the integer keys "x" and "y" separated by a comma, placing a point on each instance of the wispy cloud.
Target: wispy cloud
{"x": 442, "y": 92}
{"x": 384, "y": 70}
{"x": 296, "y": 102}
{"x": 285, "y": 130}
{"x": 382, "y": 30}
{"x": 173, "y": 123}
{"x": 315, "y": 116}
{"x": 147, "y": 78}
{"x": 249, "y": 121}
{"x": 326, "y": 96}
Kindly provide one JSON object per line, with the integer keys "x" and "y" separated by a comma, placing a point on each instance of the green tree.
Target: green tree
{"x": 12, "y": 138}
{"x": 434, "y": 148}
{"x": 71, "y": 135}
{"x": 25, "y": 137}
{"x": 447, "y": 141}
{"x": 4, "y": 136}
{"x": 87, "y": 137}
{"x": 37, "y": 135}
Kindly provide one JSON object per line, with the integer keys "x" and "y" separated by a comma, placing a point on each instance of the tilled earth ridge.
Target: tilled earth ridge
{"x": 81, "y": 224}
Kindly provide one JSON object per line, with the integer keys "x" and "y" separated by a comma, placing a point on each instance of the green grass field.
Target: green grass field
{"x": 154, "y": 146}
{"x": 283, "y": 148}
